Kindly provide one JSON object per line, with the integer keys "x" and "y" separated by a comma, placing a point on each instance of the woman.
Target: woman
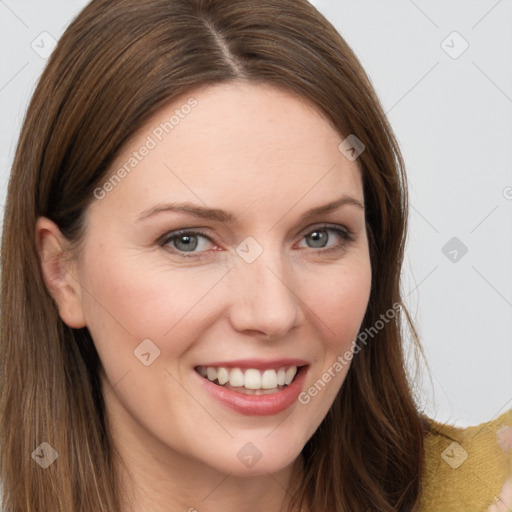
{"x": 206, "y": 221}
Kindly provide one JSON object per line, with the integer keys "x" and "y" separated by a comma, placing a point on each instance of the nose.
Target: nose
{"x": 264, "y": 298}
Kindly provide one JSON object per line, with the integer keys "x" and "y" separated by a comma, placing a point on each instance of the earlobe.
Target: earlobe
{"x": 59, "y": 272}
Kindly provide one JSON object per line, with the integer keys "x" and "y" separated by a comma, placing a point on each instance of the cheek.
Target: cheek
{"x": 340, "y": 302}
{"x": 128, "y": 301}
{"x": 339, "y": 306}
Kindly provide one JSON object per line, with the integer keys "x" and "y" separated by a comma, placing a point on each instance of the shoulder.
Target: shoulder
{"x": 468, "y": 468}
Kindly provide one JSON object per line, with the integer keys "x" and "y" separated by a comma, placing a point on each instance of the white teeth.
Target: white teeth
{"x": 290, "y": 373}
{"x": 269, "y": 379}
{"x": 211, "y": 373}
{"x": 222, "y": 376}
{"x": 252, "y": 378}
{"x": 236, "y": 377}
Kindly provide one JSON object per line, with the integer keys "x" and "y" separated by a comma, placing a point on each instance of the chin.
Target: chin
{"x": 259, "y": 454}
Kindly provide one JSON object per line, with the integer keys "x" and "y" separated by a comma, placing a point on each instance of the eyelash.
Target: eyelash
{"x": 346, "y": 235}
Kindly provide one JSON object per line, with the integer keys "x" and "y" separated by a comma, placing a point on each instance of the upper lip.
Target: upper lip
{"x": 259, "y": 364}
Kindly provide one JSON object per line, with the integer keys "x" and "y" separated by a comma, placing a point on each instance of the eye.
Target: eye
{"x": 193, "y": 243}
{"x": 186, "y": 241}
{"x": 319, "y": 237}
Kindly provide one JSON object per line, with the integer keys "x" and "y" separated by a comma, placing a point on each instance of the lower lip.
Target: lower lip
{"x": 257, "y": 405}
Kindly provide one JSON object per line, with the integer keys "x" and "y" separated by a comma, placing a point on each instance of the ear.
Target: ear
{"x": 59, "y": 272}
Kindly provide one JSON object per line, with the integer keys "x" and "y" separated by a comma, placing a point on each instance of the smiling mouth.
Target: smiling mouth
{"x": 250, "y": 381}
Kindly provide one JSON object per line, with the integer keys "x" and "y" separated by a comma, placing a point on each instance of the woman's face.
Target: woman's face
{"x": 202, "y": 255}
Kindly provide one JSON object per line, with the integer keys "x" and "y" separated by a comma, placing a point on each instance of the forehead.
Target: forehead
{"x": 234, "y": 143}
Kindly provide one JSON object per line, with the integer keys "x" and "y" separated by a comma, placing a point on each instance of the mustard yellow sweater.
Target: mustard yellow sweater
{"x": 469, "y": 469}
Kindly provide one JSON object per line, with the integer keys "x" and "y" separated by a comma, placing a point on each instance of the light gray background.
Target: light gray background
{"x": 452, "y": 116}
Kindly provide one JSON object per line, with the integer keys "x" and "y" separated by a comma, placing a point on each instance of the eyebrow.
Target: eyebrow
{"x": 224, "y": 216}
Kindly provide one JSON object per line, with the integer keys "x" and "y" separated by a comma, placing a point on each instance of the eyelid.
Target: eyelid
{"x": 325, "y": 225}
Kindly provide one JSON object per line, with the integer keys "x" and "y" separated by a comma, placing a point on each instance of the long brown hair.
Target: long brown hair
{"x": 116, "y": 65}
